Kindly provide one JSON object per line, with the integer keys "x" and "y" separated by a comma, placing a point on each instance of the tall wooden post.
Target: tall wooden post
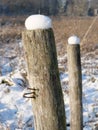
{"x": 75, "y": 83}
{"x": 47, "y": 101}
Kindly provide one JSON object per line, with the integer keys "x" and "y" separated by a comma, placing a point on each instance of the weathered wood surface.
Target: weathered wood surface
{"x": 48, "y": 107}
{"x": 75, "y": 84}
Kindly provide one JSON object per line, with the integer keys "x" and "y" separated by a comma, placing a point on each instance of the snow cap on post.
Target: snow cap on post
{"x": 38, "y": 22}
{"x": 73, "y": 40}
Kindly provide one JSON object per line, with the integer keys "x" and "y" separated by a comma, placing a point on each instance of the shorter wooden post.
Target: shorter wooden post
{"x": 75, "y": 83}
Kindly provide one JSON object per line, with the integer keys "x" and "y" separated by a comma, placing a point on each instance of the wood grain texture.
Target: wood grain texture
{"x": 75, "y": 84}
{"x": 48, "y": 107}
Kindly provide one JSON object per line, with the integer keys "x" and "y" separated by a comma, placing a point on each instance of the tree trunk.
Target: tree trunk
{"x": 48, "y": 104}
{"x": 75, "y": 84}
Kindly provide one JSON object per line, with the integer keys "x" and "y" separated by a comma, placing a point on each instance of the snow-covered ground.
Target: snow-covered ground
{"x": 90, "y": 88}
{"x": 16, "y": 111}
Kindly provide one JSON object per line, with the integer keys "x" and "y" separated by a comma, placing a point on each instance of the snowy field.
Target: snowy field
{"x": 16, "y": 111}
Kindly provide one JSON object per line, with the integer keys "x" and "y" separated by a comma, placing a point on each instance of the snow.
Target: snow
{"x": 16, "y": 111}
{"x": 90, "y": 88}
{"x": 73, "y": 40}
{"x": 38, "y": 22}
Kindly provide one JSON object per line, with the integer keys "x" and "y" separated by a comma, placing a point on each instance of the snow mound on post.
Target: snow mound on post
{"x": 73, "y": 40}
{"x": 38, "y": 22}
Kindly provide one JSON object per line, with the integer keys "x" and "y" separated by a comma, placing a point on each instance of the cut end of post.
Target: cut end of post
{"x": 38, "y": 21}
{"x": 74, "y": 40}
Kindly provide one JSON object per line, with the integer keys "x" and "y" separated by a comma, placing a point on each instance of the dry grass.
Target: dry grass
{"x": 65, "y": 27}
{"x": 11, "y": 28}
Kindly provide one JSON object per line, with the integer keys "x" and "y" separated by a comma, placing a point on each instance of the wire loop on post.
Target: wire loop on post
{"x": 32, "y": 94}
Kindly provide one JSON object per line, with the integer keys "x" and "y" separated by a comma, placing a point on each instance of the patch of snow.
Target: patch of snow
{"x": 16, "y": 111}
{"x": 6, "y": 69}
{"x": 73, "y": 40}
{"x": 38, "y": 22}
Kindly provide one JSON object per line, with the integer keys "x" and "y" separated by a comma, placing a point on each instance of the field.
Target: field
{"x": 14, "y": 108}
{"x": 11, "y": 28}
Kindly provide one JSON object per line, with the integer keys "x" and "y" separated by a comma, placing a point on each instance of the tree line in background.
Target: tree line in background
{"x": 48, "y": 7}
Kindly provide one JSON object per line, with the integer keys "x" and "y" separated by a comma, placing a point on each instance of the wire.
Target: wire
{"x": 89, "y": 29}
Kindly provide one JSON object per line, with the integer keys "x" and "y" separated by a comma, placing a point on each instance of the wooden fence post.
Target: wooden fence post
{"x": 75, "y": 83}
{"x": 47, "y": 98}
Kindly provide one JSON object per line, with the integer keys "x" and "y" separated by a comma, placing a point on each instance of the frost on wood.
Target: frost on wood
{"x": 38, "y": 22}
{"x": 73, "y": 40}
